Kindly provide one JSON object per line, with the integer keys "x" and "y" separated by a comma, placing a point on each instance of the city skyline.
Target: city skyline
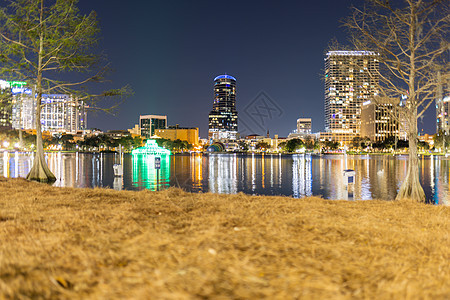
{"x": 277, "y": 55}
{"x": 169, "y": 52}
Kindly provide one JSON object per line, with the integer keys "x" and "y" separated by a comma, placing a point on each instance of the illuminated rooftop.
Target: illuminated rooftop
{"x": 348, "y": 53}
{"x": 225, "y": 77}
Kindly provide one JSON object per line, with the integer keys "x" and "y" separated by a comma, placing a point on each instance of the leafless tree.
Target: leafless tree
{"x": 411, "y": 38}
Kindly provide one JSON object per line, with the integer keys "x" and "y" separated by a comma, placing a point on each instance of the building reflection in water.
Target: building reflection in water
{"x": 222, "y": 173}
{"x": 301, "y": 175}
{"x": 6, "y": 164}
{"x": 377, "y": 177}
{"x": 440, "y": 181}
{"x": 144, "y": 174}
{"x": 196, "y": 165}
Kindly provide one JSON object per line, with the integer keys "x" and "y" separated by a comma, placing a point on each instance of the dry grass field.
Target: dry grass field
{"x": 65, "y": 243}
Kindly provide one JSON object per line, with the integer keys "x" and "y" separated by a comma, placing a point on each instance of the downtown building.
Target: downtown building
{"x": 223, "y": 119}
{"x": 9, "y": 102}
{"x": 442, "y": 114}
{"x": 304, "y": 125}
{"x": 63, "y": 113}
{"x": 149, "y": 123}
{"x": 60, "y": 112}
{"x": 351, "y": 78}
{"x": 5, "y": 105}
{"x": 173, "y": 133}
{"x": 379, "y": 121}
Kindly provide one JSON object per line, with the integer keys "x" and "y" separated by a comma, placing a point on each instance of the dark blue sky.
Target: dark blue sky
{"x": 170, "y": 52}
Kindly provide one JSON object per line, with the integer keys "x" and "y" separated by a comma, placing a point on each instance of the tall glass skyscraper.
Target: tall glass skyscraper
{"x": 223, "y": 118}
{"x": 351, "y": 78}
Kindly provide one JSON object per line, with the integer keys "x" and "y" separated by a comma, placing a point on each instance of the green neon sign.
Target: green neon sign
{"x": 16, "y": 83}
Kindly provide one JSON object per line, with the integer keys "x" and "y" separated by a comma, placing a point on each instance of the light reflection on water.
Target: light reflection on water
{"x": 377, "y": 177}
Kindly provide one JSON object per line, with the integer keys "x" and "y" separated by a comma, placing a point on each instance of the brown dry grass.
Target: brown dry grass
{"x": 103, "y": 244}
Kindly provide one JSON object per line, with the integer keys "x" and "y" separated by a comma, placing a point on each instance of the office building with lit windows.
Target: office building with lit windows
{"x": 442, "y": 114}
{"x": 9, "y": 99}
{"x": 149, "y": 123}
{"x": 223, "y": 119}
{"x": 379, "y": 120}
{"x": 304, "y": 125}
{"x": 351, "y": 78}
{"x": 62, "y": 113}
{"x": 5, "y": 105}
{"x": 23, "y": 109}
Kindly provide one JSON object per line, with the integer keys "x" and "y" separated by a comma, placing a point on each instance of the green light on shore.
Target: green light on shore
{"x": 152, "y": 148}
{"x": 16, "y": 83}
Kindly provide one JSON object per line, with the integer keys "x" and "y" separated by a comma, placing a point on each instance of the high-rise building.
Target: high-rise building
{"x": 351, "y": 78}
{"x": 62, "y": 113}
{"x": 379, "y": 120}
{"x": 148, "y": 124}
{"x": 5, "y": 107}
{"x": 7, "y": 90}
{"x": 442, "y": 114}
{"x": 304, "y": 125}
{"x": 223, "y": 119}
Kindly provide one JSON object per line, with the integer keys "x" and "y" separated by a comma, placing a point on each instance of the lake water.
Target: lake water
{"x": 377, "y": 177}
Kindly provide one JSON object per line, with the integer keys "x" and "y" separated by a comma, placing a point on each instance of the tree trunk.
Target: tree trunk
{"x": 411, "y": 188}
{"x": 40, "y": 171}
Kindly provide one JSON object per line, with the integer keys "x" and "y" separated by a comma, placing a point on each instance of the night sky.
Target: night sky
{"x": 170, "y": 52}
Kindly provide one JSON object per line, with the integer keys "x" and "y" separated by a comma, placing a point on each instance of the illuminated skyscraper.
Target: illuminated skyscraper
{"x": 378, "y": 121}
{"x": 5, "y": 106}
{"x": 61, "y": 113}
{"x": 7, "y": 102}
{"x": 351, "y": 78}
{"x": 223, "y": 124}
{"x": 443, "y": 114}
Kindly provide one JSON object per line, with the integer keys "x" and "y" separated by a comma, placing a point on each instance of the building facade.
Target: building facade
{"x": 378, "y": 121}
{"x": 60, "y": 113}
{"x": 23, "y": 109}
{"x": 174, "y": 133}
{"x": 442, "y": 114}
{"x": 7, "y": 88}
{"x": 5, "y": 110}
{"x": 351, "y": 78}
{"x": 149, "y": 123}
{"x": 223, "y": 119}
{"x": 304, "y": 125}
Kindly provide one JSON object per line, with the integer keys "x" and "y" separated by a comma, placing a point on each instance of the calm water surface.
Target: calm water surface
{"x": 377, "y": 177}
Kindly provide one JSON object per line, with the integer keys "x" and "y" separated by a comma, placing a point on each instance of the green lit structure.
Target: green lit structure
{"x": 10, "y": 84}
{"x": 145, "y": 173}
{"x": 151, "y": 148}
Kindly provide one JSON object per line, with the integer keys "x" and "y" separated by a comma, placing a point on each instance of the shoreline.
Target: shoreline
{"x": 237, "y": 153}
{"x": 70, "y": 243}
